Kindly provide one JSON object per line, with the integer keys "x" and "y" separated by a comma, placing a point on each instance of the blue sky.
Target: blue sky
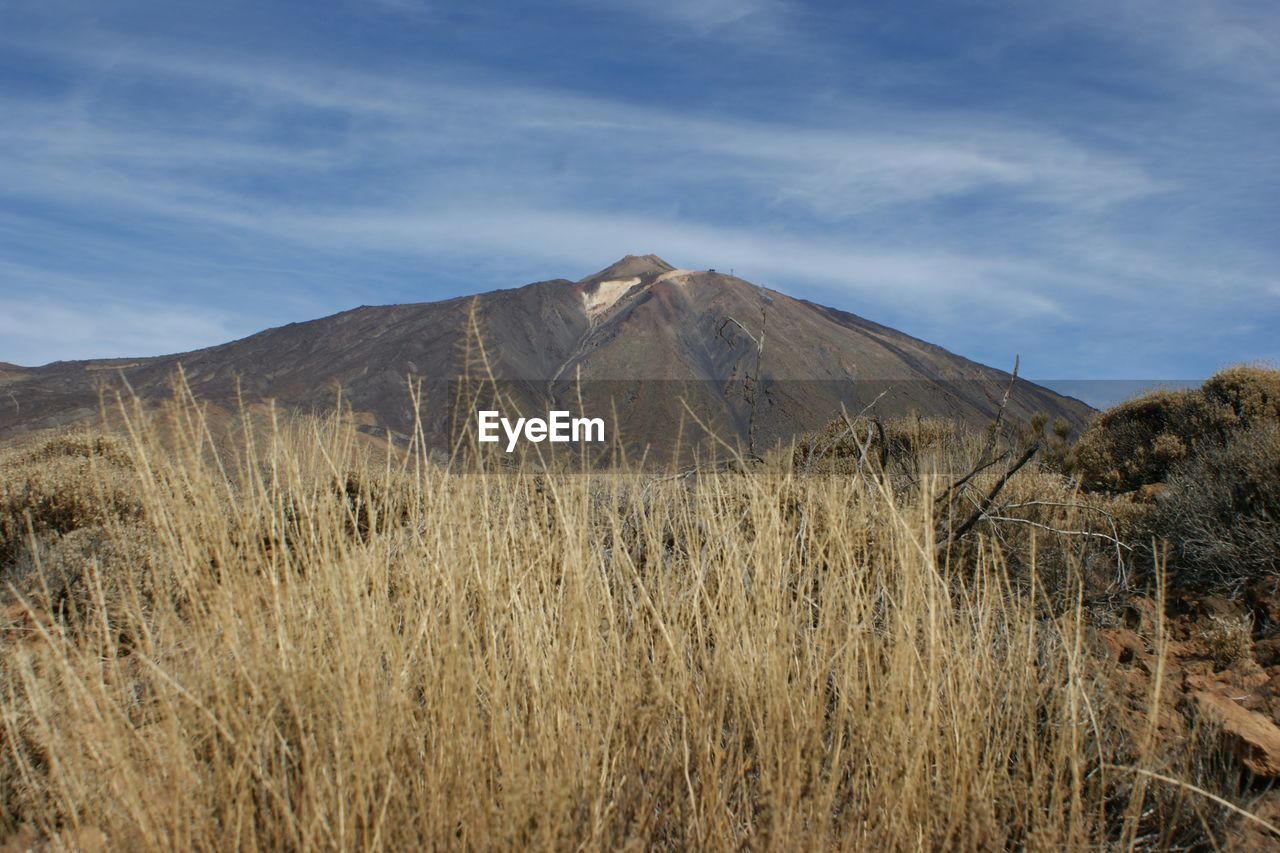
{"x": 1095, "y": 187}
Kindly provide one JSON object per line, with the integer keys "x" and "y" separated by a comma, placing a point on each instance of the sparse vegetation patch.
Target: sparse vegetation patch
{"x": 302, "y": 642}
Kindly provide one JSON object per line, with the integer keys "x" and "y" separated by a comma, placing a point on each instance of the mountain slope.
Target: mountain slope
{"x": 640, "y": 338}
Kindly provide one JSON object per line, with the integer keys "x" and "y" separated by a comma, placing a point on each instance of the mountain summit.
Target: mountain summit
{"x": 641, "y": 338}
{"x": 644, "y": 267}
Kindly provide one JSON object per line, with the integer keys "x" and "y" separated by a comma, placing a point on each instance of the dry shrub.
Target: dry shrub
{"x": 1214, "y": 455}
{"x": 1221, "y": 513}
{"x": 1228, "y": 639}
{"x": 60, "y": 485}
{"x": 1248, "y": 394}
{"x": 836, "y": 447}
{"x": 1137, "y": 442}
{"x": 1058, "y": 450}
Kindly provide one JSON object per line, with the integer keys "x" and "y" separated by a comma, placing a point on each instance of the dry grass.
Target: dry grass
{"x": 307, "y": 645}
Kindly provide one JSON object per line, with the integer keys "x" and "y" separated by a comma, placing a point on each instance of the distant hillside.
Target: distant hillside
{"x": 639, "y": 338}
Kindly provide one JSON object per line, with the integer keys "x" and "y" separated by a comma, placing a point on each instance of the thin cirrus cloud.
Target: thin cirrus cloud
{"x": 262, "y": 187}
{"x": 861, "y": 172}
{"x": 1238, "y": 40}
{"x": 892, "y": 157}
{"x": 705, "y": 15}
{"x": 831, "y": 171}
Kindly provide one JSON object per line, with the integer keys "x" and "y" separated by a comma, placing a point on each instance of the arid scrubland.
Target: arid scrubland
{"x": 294, "y": 639}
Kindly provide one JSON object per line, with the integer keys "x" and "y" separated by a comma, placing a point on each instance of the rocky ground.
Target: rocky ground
{"x": 1219, "y": 677}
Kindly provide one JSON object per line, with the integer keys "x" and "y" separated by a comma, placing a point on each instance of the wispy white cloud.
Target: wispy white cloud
{"x": 499, "y": 200}
{"x": 1235, "y": 39}
{"x": 830, "y": 171}
{"x": 705, "y": 15}
{"x": 580, "y": 238}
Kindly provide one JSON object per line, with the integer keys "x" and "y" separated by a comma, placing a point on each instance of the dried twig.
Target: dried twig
{"x": 875, "y": 422}
{"x": 986, "y": 502}
{"x": 983, "y": 463}
{"x": 1051, "y": 529}
{"x": 1121, "y": 574}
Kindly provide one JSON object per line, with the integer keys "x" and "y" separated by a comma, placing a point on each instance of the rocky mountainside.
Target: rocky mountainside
{"x": 640, "y": 343}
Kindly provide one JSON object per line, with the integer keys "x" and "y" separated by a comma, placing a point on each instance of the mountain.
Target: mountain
{"x": 641, "y": 343}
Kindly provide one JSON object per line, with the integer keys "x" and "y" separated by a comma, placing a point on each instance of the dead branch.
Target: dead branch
{"x": 983, "y": 463}
{"x": 1111, "y": 520}
{"x": 990, "y": 497}
{"x": 1052, "y": 529}
{"x": 879, "y": 427}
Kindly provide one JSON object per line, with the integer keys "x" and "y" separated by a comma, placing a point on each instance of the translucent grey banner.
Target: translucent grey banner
{"x": 640, "y": 418}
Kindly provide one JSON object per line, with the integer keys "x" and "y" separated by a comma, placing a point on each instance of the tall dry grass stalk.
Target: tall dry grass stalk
{"x": 317, "y": 645}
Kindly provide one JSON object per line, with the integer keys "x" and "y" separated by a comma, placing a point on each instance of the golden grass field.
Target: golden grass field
{"x": 298, "y": 639}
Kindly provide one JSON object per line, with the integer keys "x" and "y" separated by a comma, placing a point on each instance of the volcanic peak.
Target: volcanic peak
{"x": 645, "y": 267}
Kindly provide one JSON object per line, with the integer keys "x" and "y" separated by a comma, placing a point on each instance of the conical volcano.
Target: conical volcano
{"x": 662, "y": 351}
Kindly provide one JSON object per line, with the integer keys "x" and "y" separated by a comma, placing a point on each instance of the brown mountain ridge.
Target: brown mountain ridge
{"x": 641, "y": 343}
